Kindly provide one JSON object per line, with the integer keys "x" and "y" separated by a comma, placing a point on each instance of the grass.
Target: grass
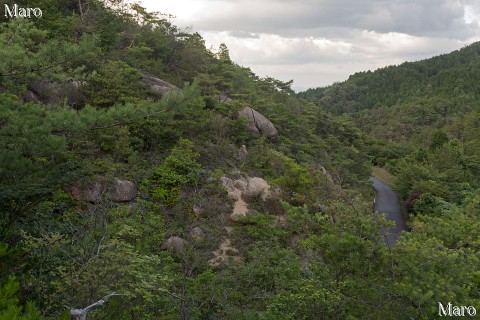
{"x": 383, "y": 175}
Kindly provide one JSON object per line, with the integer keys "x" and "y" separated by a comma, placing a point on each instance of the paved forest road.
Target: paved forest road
{"x": 387, "y": 201}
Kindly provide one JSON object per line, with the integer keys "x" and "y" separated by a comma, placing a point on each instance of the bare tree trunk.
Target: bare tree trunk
{"x": 81, "y": 314}
{"x": 80, "y": 9}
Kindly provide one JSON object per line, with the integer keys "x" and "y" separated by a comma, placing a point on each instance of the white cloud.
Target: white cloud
{"x": 273, "y": 49}
{"x": 318, "y": 42}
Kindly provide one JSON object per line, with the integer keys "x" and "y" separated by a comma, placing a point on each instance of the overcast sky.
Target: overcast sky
{"x": 319, "y": 42}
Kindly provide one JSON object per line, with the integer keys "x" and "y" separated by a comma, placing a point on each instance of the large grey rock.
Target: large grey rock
{"x": 117, "y": 191}
{"x": 225, "y": 100}
{"x": 123, "y": 191}
{"x": 256, "y": 187}
{"x": 176, "y": 243}
{"x": 197, "y": 234}
{"x": 29, "y": 96}
{"x": 92, "y": 193}
{"x": 198, "y": 211}
{"x": 157, "y": 86}
{"x": 258, "y": 123}
{"x": 56, "y": 93}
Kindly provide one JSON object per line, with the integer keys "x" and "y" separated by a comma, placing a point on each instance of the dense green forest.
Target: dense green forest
{"x": 424, "y": 117}
{"x": 135, "y": 161}
{"x": 422, "y": 120}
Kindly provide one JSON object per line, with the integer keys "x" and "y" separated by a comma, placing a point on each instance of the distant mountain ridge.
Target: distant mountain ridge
{"x": 453, "y": 76}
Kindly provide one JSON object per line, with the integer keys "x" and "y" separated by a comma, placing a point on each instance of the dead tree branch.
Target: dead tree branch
{"x": 81, "y": 314}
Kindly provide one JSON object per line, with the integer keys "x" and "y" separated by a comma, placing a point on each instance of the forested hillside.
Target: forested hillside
{"x": 134, "y": 160}
{"x": 431, "y": 106}
{"x": 422, "y": 121}
{"x": 449, "y": 76}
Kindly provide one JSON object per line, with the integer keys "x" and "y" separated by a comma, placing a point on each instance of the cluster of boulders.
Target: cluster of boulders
{"x": 99, "y": 189}
{"x": 243, "y": 190}
{"x": 71, "y": 91}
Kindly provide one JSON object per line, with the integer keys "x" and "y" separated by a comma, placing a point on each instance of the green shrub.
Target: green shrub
{"x": 9, "y": 303}
{"x": 115, "y": 82}
{"x": 429, "y": 204}
{"x": 179, "y": 169}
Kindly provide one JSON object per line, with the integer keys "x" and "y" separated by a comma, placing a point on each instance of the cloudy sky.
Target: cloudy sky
{"x": 319, "y": 42}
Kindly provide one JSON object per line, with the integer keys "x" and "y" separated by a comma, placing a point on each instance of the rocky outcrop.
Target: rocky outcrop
{"x": 256, "y": 187}
{"x": 225, "y": 99}
{"x": 198, "y": 211}
{"x": 243, "y": 190}
{"x": 117, "y": 190}
{"x": 224, "y": 254}
{"x": 92, "y": 193}
{"x": 175, "y": 243}
{"x": 29, "y": 96}
{"x": 157, "y": 86}
{"x": 197, "y": 234}
{"x": 240, "y": 207}
{"x": 56, "y": 93}
{"x": 258, "y": 123}
{"x": 242, "y": 153}
{"x": 122, "y": 191}
{"x": 324, "y": 172}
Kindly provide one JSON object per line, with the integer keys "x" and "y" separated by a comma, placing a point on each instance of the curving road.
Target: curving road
{"x": 387, "y": 201}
